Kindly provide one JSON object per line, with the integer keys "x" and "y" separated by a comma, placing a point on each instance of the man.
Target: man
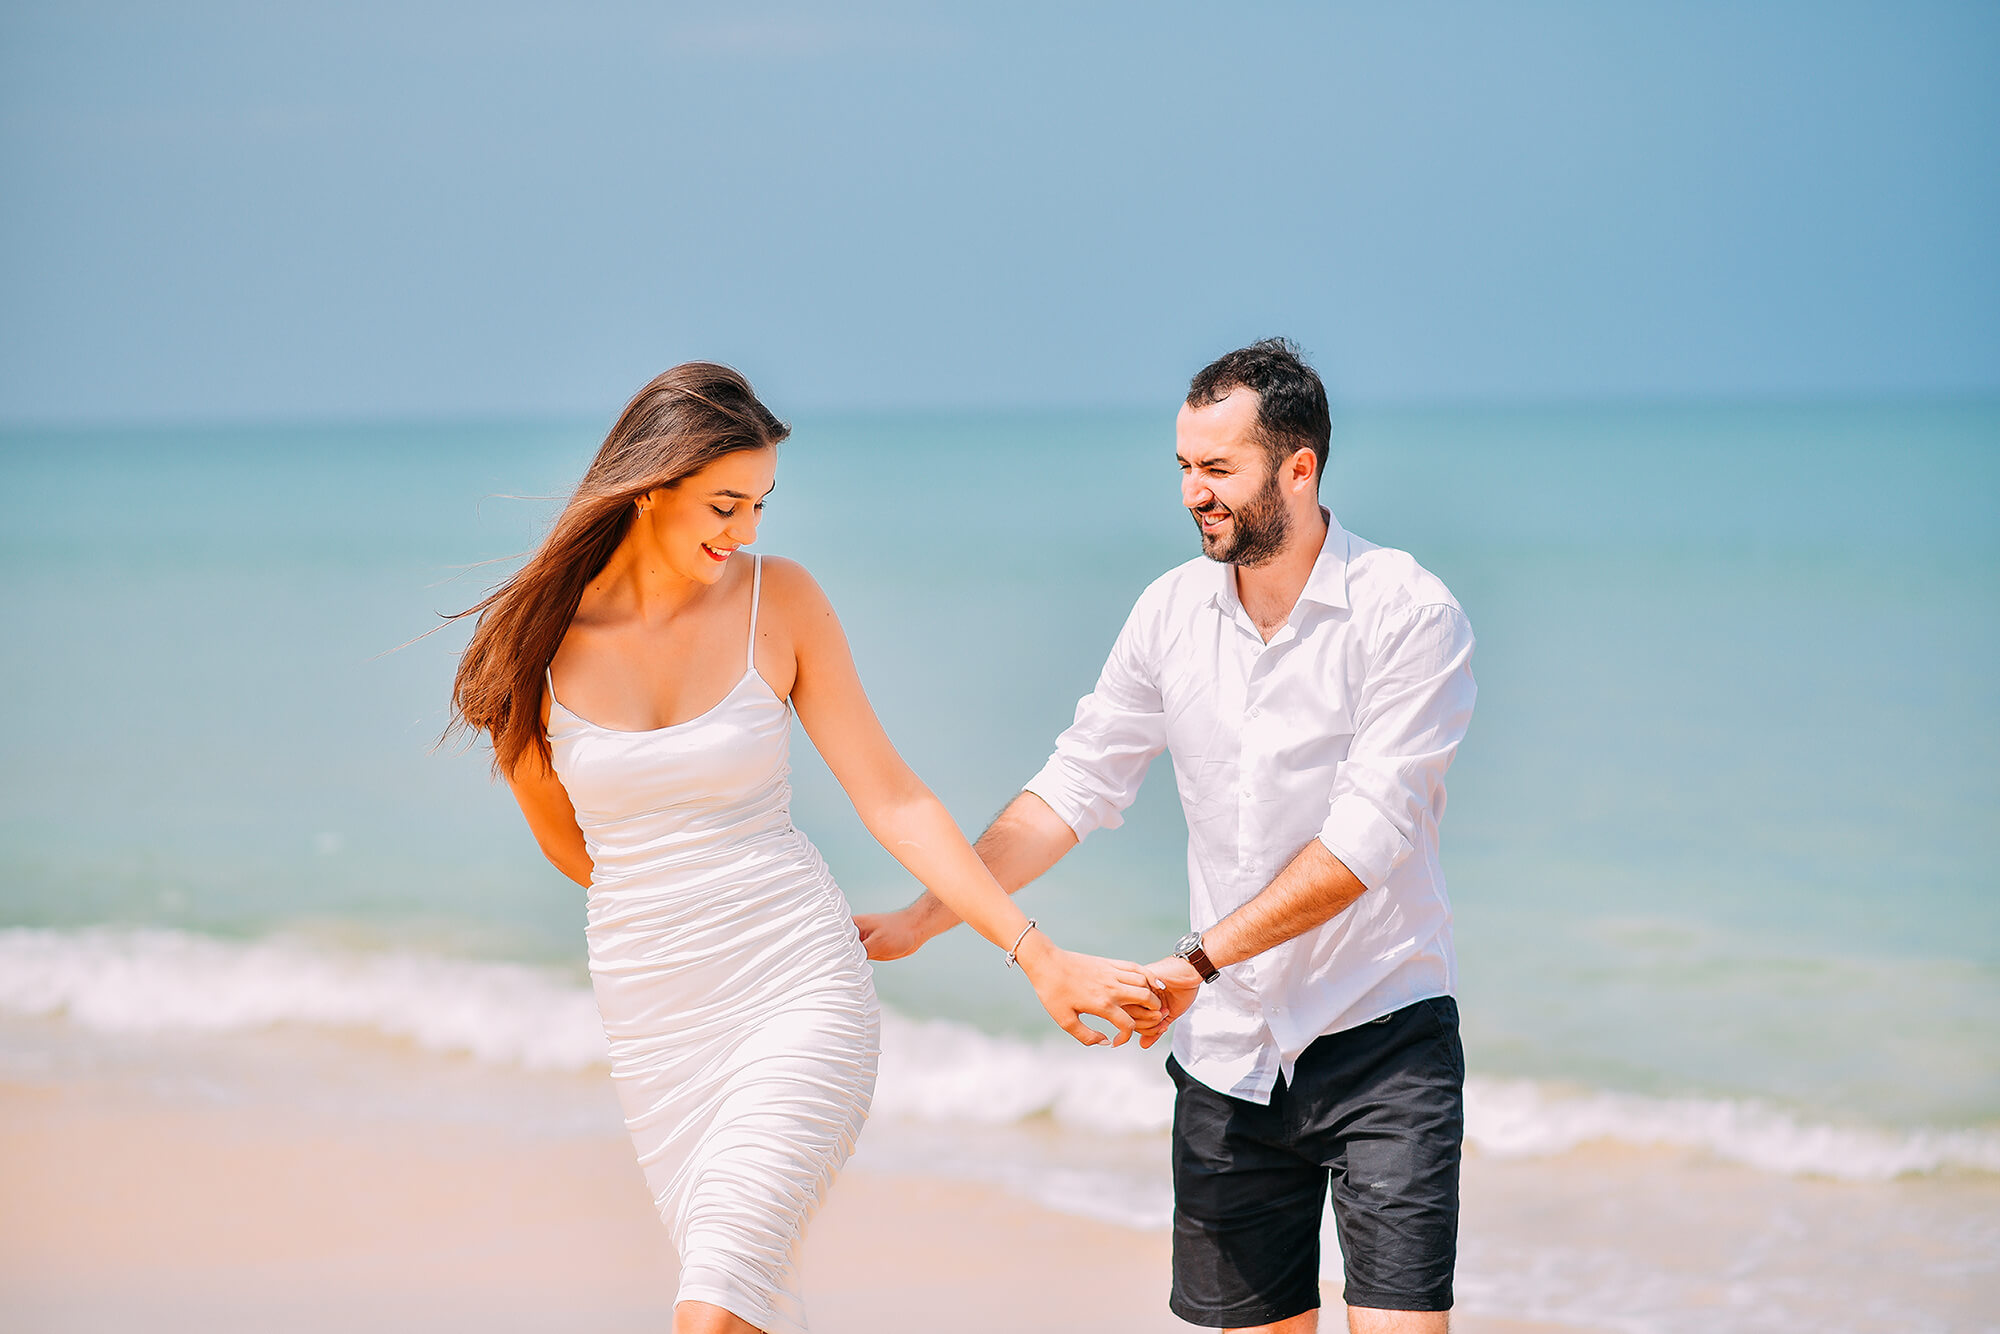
{"x": 1312, "y": 689}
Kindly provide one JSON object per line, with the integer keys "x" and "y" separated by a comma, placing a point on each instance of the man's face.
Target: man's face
{"x": 1228, "y": 483}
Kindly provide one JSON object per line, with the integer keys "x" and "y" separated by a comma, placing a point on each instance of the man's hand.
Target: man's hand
{"x": 1177, "y": 984}
{"x": 891, "y": 935}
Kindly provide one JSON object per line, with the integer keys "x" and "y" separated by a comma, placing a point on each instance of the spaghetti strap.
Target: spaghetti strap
{"x": 549, "y": 684}
{"x": 756, "y": 596}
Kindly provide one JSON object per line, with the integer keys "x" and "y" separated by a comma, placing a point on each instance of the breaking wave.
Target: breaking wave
{"x": 137, "y": 981}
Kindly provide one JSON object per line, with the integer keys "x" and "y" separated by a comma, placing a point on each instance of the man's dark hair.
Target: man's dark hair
{"x": 1291, "y": 402}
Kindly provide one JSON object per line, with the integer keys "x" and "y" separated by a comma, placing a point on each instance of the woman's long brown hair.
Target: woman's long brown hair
{"x": 674, "y": 427}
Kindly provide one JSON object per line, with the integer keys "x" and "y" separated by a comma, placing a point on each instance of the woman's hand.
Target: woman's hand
{"x": 1073, "y": 985}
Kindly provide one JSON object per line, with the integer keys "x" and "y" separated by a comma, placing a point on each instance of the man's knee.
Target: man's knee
{"x": 1305, "y": 1323}
{"x": 1368, "y": 1320}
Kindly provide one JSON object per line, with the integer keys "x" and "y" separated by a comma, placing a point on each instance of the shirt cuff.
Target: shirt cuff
{"x": 1070, "y": 801}
{"x": 1364, "y": 839}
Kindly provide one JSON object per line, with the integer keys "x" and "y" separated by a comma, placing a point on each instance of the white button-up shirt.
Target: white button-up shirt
{"x": 1341, "y": 729}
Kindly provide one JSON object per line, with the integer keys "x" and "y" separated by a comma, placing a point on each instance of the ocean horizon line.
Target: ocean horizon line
{"x": 1386, "y": 407}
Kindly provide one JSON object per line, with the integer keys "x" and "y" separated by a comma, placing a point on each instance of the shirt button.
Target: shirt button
{"x": 1255, "y": 712}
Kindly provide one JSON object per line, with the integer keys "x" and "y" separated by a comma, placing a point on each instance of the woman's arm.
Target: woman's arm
{"x": 551, "y": 818}
{"x": 1023, "y": 841}
{"x": 916, "y": 829}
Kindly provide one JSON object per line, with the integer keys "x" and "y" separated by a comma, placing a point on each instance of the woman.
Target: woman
{"x": 636, "y": 679}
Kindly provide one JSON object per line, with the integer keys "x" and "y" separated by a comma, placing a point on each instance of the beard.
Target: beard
{"x": 1257, "y": 532}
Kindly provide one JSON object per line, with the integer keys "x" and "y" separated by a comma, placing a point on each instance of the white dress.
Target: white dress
{"x": 740, "y": 1010}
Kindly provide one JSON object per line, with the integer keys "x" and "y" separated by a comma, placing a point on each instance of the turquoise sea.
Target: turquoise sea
{"x": 1721, "y": 841}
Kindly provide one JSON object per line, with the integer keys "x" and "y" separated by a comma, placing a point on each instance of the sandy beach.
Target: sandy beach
{"x": 225, "y": 1210}
{"x": 311, "y": 1180}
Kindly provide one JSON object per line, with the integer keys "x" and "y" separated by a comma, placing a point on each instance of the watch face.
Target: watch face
{"x": 1188, "y": 944}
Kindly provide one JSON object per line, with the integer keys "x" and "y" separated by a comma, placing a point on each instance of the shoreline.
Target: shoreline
{"x": 127, "y": 1210}
{"x": 310, "y": 1180}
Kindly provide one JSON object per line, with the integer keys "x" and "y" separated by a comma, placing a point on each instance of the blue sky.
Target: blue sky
{"x": 388, "y": 210}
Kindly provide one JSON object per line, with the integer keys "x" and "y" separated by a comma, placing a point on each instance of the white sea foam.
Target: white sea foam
{"x": 158, "y": 981}
{"x": 933, "y": 1071}
{"x": 937, "y": 1070}
{"x": 1519, "y": 1118}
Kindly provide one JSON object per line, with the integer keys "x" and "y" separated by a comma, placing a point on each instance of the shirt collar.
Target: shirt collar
{"x": 1325, "y": 586}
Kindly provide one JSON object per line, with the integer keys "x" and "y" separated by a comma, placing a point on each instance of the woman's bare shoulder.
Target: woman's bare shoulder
{"x": 791, "y": 587}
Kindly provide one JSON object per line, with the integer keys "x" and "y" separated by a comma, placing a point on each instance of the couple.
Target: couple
{"x": 637, "y": 679}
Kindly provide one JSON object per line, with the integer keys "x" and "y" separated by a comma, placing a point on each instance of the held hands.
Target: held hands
{"x": 1176, "y": 984}
{"x": 1073, "y": 985}
{"x": 1130, "y": 998}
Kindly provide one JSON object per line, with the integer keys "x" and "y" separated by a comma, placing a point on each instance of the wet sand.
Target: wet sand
{"x": 124, "y": 1210}
{"x": 304, "y": 1179}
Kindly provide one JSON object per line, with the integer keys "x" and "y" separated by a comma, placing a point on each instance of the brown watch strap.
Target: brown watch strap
{"x": 1199, "y": 958}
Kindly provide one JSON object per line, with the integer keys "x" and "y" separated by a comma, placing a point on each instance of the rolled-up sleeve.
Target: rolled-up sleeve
{"x": 1102, "y": 757}
{"x": 1411, "y": 714}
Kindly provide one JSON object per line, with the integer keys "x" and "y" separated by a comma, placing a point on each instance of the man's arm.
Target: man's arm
{"x": 1314, "y": 888}
{"x": 1023, "y": 841}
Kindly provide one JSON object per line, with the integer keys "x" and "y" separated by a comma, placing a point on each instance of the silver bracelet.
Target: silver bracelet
{"x": 1011, "y": 961}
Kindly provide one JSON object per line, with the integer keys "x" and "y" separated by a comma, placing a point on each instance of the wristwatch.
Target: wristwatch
{"x": 1190, "y": 949}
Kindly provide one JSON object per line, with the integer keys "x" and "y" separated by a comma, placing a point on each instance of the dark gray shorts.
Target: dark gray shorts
{"x": 1379, "y": 1112}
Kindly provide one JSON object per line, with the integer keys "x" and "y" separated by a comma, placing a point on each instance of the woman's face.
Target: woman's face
{"x": 701, "y": 521}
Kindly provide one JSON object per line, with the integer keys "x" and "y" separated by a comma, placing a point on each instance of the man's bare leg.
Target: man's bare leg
{"x": 706, "y": 1318}
{"x": 1361, "y": 1320}
{"x": 1305, "y": 1323}
{"x": 1368, "y": 1320}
